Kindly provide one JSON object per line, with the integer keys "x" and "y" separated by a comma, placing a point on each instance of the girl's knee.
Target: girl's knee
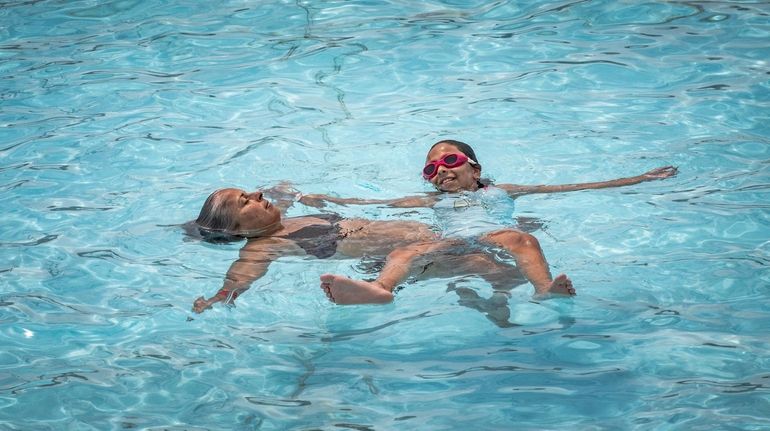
{"x": 514, "y": 239}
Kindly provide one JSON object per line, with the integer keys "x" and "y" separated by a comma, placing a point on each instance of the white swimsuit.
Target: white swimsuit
{"x": 472, "y": 214}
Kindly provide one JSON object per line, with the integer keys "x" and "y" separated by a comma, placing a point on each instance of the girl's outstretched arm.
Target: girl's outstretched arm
{"x": 655, "y": 174}
{"x": 284, "y": 195}
{"x": 319, "y": 201}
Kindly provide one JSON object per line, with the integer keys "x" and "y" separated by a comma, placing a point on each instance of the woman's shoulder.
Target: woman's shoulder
{"x": 262, "y": 244}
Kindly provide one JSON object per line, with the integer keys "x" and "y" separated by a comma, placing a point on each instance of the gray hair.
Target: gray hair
{"x": 215, "y": 222}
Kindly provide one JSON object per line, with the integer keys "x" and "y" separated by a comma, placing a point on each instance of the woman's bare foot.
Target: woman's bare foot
{"x": 560, "y": 286}
{"x": 345, "y": 291}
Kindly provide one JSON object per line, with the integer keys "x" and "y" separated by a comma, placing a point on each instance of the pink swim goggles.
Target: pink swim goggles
{"x": 451, "y": 160}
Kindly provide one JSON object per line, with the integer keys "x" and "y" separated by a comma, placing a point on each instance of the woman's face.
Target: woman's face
{"x": 463, "y": 177}
{"x": 251, "y": 213}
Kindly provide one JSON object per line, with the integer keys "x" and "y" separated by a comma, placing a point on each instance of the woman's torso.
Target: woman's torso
{"x": 319, "y": 238}
{"x": 324, "y": 235}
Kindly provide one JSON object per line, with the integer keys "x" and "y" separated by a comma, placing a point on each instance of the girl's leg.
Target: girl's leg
{"x": 502, "y": 278}
{"x": 399, "y": 263}
{"x": 526, "y": 250}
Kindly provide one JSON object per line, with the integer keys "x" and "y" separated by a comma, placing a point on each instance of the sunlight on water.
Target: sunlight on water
{"x": 118, "y": 118}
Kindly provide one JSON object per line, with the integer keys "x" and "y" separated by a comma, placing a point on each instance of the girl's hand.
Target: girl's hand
{"x": 316, "y": 201}
{"x": 282, "y": 190}
{"x": 661, "y": 173}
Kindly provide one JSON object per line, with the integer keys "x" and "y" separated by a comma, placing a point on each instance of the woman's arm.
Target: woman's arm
{"x": 252, "y": 263}
{"x": 655, "y": 174}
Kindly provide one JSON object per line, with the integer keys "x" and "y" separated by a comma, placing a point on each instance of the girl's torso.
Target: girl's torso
{"x": 472, "y": 214}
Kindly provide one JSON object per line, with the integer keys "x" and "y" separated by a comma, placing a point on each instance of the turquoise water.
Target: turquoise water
{"x": 118, "y": 118}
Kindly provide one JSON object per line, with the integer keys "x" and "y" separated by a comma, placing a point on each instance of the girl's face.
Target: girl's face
{"x": 463, "y": 177}
{"x": 251, "y": 213}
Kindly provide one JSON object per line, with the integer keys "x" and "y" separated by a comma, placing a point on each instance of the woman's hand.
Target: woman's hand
{"x": 660, "y": 173}
{"x": 201, "y": 304}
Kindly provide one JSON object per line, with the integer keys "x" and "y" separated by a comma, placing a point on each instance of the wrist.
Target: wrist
{"x": 225, "y": 293}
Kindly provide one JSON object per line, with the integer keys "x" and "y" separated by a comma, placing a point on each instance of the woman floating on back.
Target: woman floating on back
{"x": 233, "y": 215}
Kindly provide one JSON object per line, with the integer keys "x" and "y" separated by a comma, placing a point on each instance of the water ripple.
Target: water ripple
{"x": 42, "y": 240}
{"x": 118, "y": 117}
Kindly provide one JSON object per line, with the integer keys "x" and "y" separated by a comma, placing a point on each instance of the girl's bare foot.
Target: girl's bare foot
{"x": 345, "y": 291}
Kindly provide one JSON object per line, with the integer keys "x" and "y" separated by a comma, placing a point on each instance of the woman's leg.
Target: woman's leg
{"x": 526, "y": 250}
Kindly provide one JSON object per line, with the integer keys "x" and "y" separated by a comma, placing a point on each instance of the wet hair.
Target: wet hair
{"x": 468, "y": 151}
{"x": 214, "y": 223}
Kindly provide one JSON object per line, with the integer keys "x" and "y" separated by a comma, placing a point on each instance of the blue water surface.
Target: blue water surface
{"x": 117, "y": 118}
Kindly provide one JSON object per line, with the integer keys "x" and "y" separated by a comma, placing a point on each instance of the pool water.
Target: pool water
{"x": 117, "y": 118}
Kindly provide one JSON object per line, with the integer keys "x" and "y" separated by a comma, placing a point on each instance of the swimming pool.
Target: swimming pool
{"x": 119, "y": 117}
